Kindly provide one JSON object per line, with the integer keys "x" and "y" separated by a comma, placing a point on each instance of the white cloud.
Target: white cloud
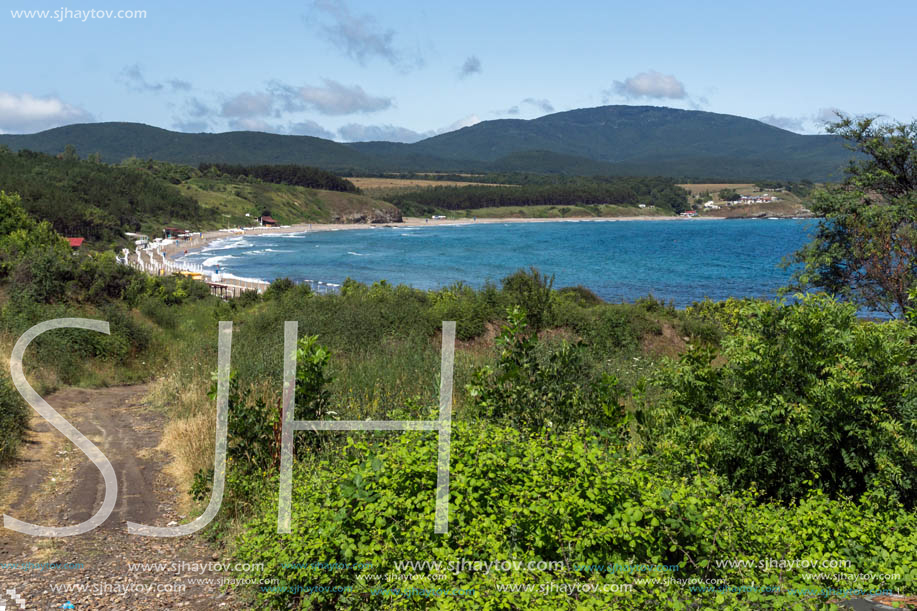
{"x": 249, "y": 124}
{"x": 332, "y": 98}
{"x": 25, "y": 113}
{"x": 310, "y": 128}
{"x": 248, "y": 105}
{"x": 650, "y": 84}
{"x": 793, "y": 124}
{"x": 463, "y": 122}
{"x": 353, "y": 132}
{"x": 827, "y": 115}
{"x": 191, "y": 126}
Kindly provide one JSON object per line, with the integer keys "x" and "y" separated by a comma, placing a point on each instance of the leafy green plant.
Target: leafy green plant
{"x": 565, "y": 500}
{"x": 531, "y": 290}
{"x": 807, "y": 396}
{"x": 14, "y": 417}
{"x": 312, "y": 379}
{"x": 531, "y": 390}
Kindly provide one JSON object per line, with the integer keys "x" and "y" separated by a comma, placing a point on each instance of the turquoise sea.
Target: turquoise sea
{"x": 675, "y": 260}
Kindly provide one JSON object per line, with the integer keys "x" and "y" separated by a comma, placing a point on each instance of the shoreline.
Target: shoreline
{"x": 180, "y": 248}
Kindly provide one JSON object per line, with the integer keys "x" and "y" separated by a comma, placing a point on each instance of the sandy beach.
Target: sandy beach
{"x": 206, "y": 237}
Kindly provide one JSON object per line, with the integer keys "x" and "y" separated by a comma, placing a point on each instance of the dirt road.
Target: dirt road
{"x": 54, "y": 484}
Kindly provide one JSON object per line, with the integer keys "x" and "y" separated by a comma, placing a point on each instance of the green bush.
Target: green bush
{"x": 531, "y": 390}
{"x": 101, "y": 278}
{"x": 465, "y": 306}
{"x": 163, "y": 315}
{"x": 808, "y": 397}
{"x": 581, "y": 295}
{"x": 704, "y": 331}
{"x": 569, "y": 499}
{"x": 14, "y": 418}
{"x": 278, "y": 287}
{"x": 531, "y": 291}
{"x": 255, "y": 408}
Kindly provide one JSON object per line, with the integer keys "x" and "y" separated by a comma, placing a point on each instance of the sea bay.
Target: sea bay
{"x": 681, "y": 261}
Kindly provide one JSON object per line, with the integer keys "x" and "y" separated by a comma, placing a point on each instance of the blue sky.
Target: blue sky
{"x": 354, "y": 70}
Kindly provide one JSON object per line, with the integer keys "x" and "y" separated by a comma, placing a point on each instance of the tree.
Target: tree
{"x": 532, "y": 291}
{"x": 865, "y": 247}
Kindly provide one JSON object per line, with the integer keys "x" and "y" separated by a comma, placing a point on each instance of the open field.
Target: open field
{"x": 372, "y": 182}
{"x": 602, "y": 211}
{"x": 386, "y": 187}
{"x": 287, "y": 204}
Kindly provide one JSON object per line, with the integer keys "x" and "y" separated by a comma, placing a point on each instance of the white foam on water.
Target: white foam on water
{"x": 226, "y": 244}
{"x": 234, "y": 277}
{"x": 214, "y": 261}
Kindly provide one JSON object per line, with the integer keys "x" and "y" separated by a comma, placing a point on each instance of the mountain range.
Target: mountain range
{"x": 607, "y": 140}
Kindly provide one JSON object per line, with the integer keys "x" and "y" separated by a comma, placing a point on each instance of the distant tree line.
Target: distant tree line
{"x": 298, "y": 175}
{"x": 659, "y": 192}
{"x": 93, "y": 200}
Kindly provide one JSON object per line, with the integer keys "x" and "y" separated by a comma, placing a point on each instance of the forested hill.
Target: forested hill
{"x": 100, "y": 202}
{"x": 661, "y": 193}
{"x": 608, "y": 140}
{"x": 93, "y": 200}
{"x": 116, "y": 142}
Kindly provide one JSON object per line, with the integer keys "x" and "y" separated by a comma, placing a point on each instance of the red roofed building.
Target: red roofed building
{"x": 267, "y": 221}
{"x": 75, "y": 242}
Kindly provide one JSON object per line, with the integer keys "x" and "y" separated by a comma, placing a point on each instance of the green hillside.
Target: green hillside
{"x": 231, "y": 200}
{"x": 608, "y": 140}
{"x": 100, "y": 202}
{"x": 653, "y": 140}
{"x": 118, "y": 141}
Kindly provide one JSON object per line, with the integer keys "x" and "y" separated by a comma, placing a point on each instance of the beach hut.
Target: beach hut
{"x": 267, "y": 221}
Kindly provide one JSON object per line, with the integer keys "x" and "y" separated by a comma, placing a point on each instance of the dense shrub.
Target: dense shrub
{"x": 531, "y": 290}
{"x": 581, "y": 295}
{"x": 464, "y": 305}
{"x": 278, "y": 287}
{"x": 569, "y": 499}
{"x": 532, "y": 390}
{"x": 14, "y": 417}
{"x": 807, "y": 396}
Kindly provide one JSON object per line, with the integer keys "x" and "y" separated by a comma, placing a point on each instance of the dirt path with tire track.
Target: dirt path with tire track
{"x": 52, "y": 483}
